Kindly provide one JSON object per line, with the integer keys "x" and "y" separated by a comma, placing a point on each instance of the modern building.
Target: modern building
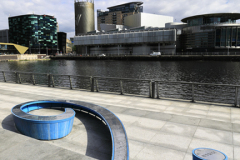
{"x": 69, "y": 46}
{"x": 4, "y": 36}
{"x": 38, "y": 32}
{"x": 62, "y": 36}
{"x": 147, "y": 19}
{"x": 117, "y": 14}
{"x": 84, "y": 16}
{"x": 135, "y": 41}
{"x": 216, "y": 32}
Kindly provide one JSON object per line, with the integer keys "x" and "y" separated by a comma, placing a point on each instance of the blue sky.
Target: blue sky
{"x": 63, "y": 10}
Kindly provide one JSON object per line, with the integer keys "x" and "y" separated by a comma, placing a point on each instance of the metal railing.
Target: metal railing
{"x": 207, "y": 92}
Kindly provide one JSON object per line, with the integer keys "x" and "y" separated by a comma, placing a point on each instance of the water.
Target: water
{"x": 188, "y": 71}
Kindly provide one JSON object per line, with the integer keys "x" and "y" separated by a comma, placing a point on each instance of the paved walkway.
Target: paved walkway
{"x": 156, "y": 128}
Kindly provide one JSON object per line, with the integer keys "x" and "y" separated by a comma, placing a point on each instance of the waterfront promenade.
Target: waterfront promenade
{"x": 156, "y": 128}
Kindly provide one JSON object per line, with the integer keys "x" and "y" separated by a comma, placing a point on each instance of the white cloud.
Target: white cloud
{"x": 63, "y": 10}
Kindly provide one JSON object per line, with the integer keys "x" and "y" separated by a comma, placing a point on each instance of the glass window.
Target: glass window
{"x": 234, "y": 31}
{"x": 228, "y": 35}
{"x": 218, "y": 37}
{"x": 238, "y": 37}
{"x": 223, "y": 37}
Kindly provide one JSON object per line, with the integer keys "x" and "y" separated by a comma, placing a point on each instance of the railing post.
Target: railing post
{"x": 53, "y": 85}
{"x": 97, "y": 88}
{"x": 16, "y": 75}
{"x": 150, "y": 89}
{"x": 4, "y": 77}
{"x": 193, "y": 93}
{"x": 153, "y": 89}
{"x": 19, "y": 78}
{"x": 121, "y": 87}
{"x": 49, "y": 80}
{"x": 33, "y": 80}
{"x": 157, "y": 90}
{"x": 236, "y": 97}
{"x": 92, "y": 84}
{"x": 70, "y": 81}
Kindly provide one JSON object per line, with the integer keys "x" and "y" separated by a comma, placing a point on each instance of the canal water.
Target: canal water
{"x": 218, "y": 72}
{"x": 189, "y": 71}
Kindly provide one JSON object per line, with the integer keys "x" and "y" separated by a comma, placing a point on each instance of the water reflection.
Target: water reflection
{"x": 190, "y": 71}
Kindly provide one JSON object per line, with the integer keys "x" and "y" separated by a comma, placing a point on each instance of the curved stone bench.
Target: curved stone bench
{"x": 120, "y": 149}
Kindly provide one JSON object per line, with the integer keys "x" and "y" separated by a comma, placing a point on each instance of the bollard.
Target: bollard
{"x": 208, "y": 154}
{"x": 153, "y": 89}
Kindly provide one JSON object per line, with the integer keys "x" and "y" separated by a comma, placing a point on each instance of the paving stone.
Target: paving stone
{"x": 152, "y": 152}
{"x": 185, "y": 120}
{"x": 214, "y": 135}
{"x": 172, "y": 141}
{"x": 179, "y": 129}
{"x": 215, "y": 125}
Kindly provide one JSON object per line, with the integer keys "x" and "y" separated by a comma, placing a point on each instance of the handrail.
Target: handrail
{"x": 98, "y": 83}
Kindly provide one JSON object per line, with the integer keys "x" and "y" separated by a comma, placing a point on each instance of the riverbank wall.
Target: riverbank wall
{"x": 154, "y": 58}
{"x": 19, "y": 57}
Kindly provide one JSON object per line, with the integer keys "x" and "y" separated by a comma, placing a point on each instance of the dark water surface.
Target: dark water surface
{"x": 189, "y": 71}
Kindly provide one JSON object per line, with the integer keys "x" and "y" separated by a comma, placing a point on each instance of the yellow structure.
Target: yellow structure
{"x": 19, "y": 48}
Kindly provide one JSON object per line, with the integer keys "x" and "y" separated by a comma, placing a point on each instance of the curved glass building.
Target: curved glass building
{"x": 217, "y": 32}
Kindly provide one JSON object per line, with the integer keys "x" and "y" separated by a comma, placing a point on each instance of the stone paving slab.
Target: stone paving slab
{"x": 156, "y": 128}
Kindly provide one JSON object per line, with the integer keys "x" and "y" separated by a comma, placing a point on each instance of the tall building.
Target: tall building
{"x": 84, "y": 16}
{"x": 38, "y": 32}
{"x": 216, "y": 32}
{"x": 62, "y": 42}
{"x": 116, "y": 14}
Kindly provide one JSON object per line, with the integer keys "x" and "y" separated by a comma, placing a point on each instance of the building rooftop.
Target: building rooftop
{"x": 234, "y": 16}
{"x": 137, "y": 2}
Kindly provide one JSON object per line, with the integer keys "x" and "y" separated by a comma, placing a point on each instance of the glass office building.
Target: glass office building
{"x": 216, "y": 32}
{"x": 38, "y": 32}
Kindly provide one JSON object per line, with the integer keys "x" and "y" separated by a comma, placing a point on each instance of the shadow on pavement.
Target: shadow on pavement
{"x": 99, "y": 143}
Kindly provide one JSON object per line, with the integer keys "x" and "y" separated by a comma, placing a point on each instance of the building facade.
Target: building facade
{"x": 117, "y": 14}
{"x": 136, "y": 41}
{"x": 147, "y": 19}
{"x": 4, "y": 36}
{"x": 62, "y": 36}
{"x": 217, "y": 32}
{"x": 38, "y": 32}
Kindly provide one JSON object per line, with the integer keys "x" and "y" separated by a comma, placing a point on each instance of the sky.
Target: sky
{"x": 63, "y": 10}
